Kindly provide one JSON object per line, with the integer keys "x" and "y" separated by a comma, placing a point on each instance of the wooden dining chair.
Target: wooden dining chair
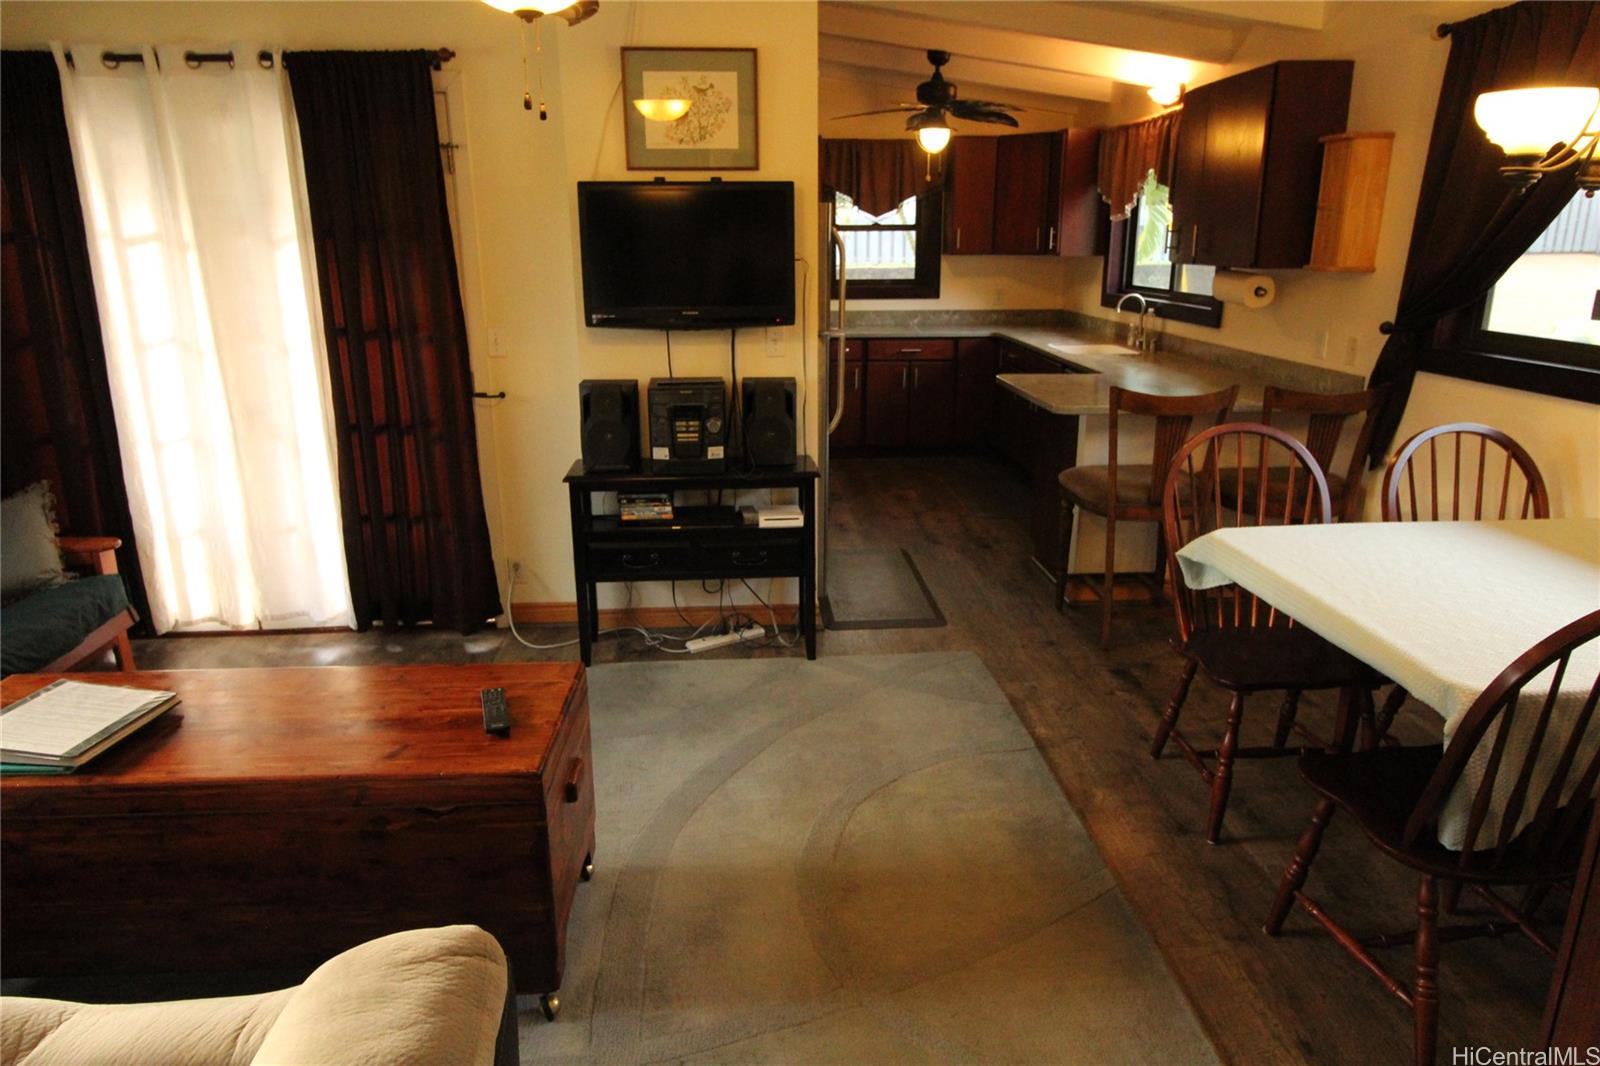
{"x": 1530, "y": 838}
{"x": 1131, "y": 492}
{"x": 1480, "y": 463}
{"x": 1489, "y": 456}
{"x": 1327, "y": 416}
{"x": 1243, "y": 644}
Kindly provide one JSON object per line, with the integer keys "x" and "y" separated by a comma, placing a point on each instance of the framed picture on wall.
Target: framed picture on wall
{"x": 716, "y": 132}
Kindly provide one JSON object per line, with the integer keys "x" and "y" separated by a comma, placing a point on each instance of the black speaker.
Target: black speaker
{"x": 769, "y": 436}
{"x": 608, "y": 412}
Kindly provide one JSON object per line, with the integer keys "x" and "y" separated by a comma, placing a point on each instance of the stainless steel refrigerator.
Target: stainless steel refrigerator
{"x": 830, "y": 362}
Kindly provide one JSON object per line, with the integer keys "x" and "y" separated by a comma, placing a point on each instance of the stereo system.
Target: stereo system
{"x": 688, "y": 428}
{"x": 688, "y": 425}
{"x": 769, "y": 426}
{"x": 608, "y": 413}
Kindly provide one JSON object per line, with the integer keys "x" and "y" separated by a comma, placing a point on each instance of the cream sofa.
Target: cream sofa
{"x": 419, "y": 998}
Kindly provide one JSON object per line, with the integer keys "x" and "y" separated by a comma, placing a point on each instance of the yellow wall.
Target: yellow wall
{"x": 516, "y": 186}
{"x": 1398, "y": 70}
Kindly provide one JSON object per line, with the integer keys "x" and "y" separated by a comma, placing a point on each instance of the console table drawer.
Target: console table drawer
{"x": 639, "y": 558}
{"x": 736, "y": 557}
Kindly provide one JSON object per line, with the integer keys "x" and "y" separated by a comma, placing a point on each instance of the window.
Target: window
{"x": 1140, "y": 261}
{"x": 896, "y": 255}
{"x": 1539, "y": 327}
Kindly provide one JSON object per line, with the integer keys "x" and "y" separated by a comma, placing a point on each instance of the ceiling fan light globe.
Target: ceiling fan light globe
{"x": 933, "y": 139}
{"x": 517, "y": 7}
{"x": 1166, "y": 93}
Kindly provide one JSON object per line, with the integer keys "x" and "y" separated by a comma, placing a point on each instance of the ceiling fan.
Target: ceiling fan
{"x": 937, "y": 103}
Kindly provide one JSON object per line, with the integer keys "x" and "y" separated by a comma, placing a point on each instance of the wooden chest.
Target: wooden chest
{"x": 278, "y": 817}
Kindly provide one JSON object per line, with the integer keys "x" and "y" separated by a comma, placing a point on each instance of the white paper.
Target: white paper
{"x": 66, "y": 717}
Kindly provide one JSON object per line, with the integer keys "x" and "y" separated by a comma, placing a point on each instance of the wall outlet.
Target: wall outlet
{"x": 514, "y": 568}
{"x": 1322, "y": 347}
{"x": 774, "y": 343}
{"x": 1350, "y": 352}
{"x": 497, "y": 343}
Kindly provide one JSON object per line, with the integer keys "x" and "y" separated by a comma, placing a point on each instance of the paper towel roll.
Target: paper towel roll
{"x": 1247, "y": 290}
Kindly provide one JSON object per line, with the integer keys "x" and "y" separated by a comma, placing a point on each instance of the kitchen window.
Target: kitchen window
{"x": 894, "y": 255}
{"x": 1538, "y": 328}
{"x": 1140, "y": 261}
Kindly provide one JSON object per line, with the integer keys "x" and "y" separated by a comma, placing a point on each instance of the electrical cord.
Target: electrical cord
{"x": 652, "y": 640}
{"x": 670, "y": 374}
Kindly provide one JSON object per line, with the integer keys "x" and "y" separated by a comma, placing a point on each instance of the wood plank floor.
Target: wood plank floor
{"x": 1297, "y": 998}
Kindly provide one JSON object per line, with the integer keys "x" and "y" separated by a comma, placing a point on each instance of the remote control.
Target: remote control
{"x": 496, "y": 715}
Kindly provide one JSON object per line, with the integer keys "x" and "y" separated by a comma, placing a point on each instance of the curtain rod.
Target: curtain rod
{"x": 1441, "y": 31}
{"x": 113, "y": 60}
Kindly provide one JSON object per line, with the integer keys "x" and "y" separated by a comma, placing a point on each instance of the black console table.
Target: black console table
{"x": 699, "y": 543}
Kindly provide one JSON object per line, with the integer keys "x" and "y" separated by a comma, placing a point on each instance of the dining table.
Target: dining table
{"x": 1440, "y": 608}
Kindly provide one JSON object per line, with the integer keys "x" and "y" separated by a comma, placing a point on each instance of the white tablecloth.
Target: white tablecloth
{"x": 1440, "y": 607}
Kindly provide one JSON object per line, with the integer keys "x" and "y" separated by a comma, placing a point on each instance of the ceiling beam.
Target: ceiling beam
{"x": 1296, "y": 15}
{"x": 1116, "y": 25}
{"x": 911, "y": 61}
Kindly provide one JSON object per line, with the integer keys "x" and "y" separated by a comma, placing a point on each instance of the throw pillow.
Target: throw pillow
{"x": 29, "y": 557}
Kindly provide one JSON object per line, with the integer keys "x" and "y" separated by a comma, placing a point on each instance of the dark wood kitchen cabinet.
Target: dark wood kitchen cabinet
{"x": 977, "y": 362}
{"x": 1005, "y": 195}
{"x": 907, "y": 394}
{"x": 931, "y": 404}
{"x": 1244, "y": 185}
{"x": 1083, "y": 224}
{"x": 969, "y": 224}
{"x": 1010, "y": 428}
{"x": 887, "y": 401}
{"x": 1026, "y": 193}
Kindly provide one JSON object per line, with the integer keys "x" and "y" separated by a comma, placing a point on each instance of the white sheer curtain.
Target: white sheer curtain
{"x": 194, "y": 198}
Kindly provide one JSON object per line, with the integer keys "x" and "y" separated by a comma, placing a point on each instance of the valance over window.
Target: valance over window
{"x": 878, "y": 176}
{"x": 1128, "y": 153}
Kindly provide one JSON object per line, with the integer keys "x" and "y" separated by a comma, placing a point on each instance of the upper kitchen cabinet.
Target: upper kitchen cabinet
{"x": 969, "y": 222}
{"x": 1084, "y": 223}
{"x": 1244, "y": 186}
{"x": 1027, "y": 184}
{"x": 1021, "y": 194}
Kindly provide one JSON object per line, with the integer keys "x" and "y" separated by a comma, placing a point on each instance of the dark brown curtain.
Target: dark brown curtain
{"x": 1471, "y": 225}
{"x": 1128, "y": 153}
{"x": 416, "y": 540}
{"x": 878, "y": 176}
{"x": 57, "y": 425}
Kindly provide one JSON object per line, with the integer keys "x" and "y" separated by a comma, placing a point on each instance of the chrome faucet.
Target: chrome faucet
{"x": 1139, "y": 336}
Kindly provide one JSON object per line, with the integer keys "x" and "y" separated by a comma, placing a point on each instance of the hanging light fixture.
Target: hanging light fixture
{"x": 527, "y": 11}
{"x": 1166, "y": 93}
{"x": 663, "y": 109}
{"x": 933, "y": 132}
{"x": 1543, "y": 130}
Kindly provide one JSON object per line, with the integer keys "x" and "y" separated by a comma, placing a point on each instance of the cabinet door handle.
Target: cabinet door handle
{"x": 910, "y": 351}
{"x": 755, "y": 559}
{"x": 916, "y": 377}
{"x": 653, "y": 560}
{"x": 570, "y": 791}
{"x": 858, "y": 379}
{"x": 1052, "y": 246}
{"x": 1194, "y": 240}
{"x": 958, "y": 238}
{"x": 903, "y": 373}
{"x": 1038, "y": 236}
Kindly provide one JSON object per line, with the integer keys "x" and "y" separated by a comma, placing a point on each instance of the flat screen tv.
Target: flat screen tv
{"x": 687, "y": 254}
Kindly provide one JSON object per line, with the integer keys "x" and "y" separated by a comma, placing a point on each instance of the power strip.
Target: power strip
{"x": 722, "y": 640}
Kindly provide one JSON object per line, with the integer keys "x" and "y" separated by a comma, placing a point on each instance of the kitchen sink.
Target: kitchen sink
{"x": 1081, "y": 348}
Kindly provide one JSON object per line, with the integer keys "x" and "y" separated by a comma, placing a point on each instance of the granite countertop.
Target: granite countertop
{"x": 1099, "y": 365}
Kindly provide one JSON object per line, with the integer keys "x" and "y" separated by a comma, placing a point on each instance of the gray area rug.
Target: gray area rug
{"x": 877, "y": 588}
{"x": 859, "y": 859}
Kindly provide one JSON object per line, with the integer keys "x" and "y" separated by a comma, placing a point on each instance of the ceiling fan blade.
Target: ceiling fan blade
{"x": 999, "y": 117}
{"x": 957, "y": 106}
{"x": 898, "y": 109}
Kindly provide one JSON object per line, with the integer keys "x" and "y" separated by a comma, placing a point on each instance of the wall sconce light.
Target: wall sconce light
{"x": 1543, "y": 130}
{"x": 663, "y": 109}
{"x": 1166, "y": 93}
